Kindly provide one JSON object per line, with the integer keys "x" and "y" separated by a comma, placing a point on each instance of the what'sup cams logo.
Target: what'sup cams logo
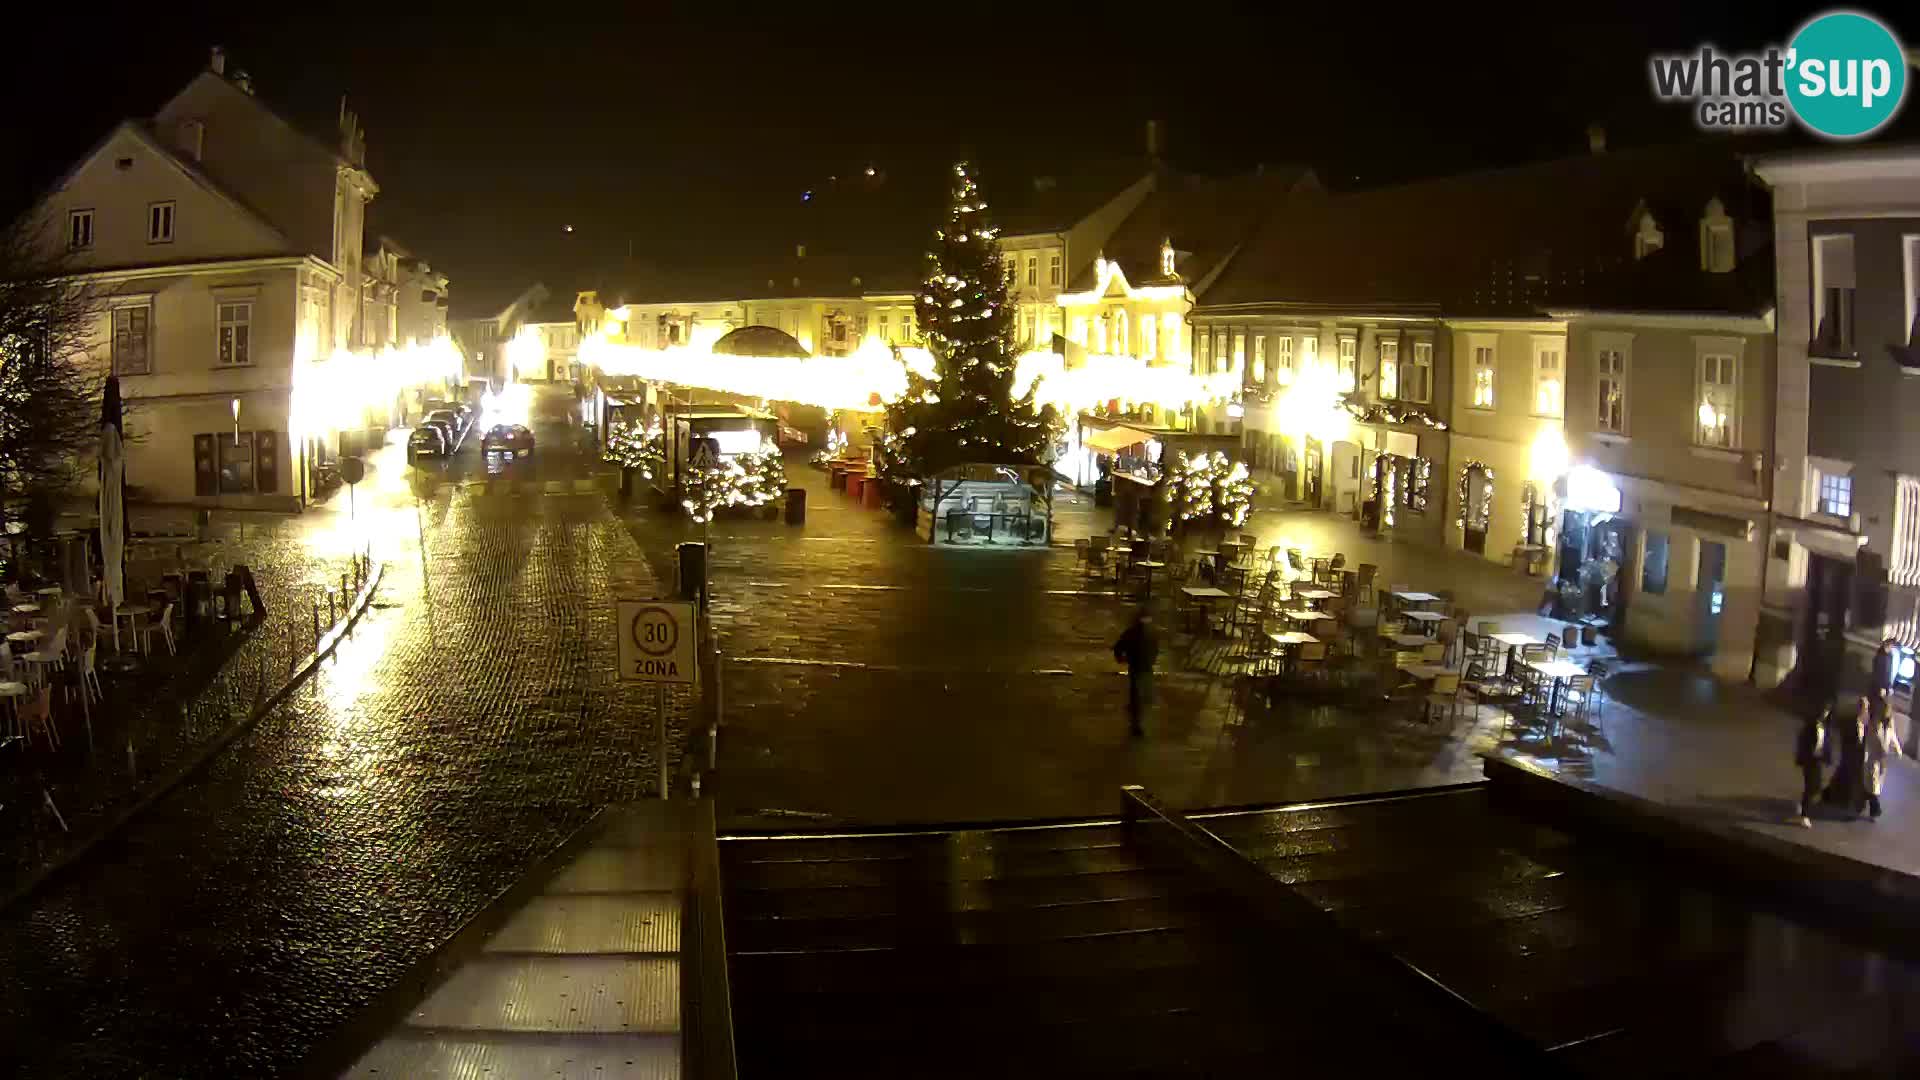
{"x": 1843, "y": 76}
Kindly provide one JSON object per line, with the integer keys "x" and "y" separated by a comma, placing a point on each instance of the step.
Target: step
{"x": 408, "y": 1054}
{"x": 638, "y": 922}
{"x": 559, "y": 994}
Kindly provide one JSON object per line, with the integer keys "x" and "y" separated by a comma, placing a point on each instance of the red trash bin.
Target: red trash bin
{"x": 870, "y": 494}
{"x": 855, "y": 481}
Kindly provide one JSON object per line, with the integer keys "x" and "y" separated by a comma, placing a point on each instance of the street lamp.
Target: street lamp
{"x": 236, "y": 421}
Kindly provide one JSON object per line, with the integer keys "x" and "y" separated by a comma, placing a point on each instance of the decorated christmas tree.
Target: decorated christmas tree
{"x": 967, "y": 411}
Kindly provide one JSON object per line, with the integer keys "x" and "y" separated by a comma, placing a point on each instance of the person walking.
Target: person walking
{"x": 1881, "y": 741}
{"x": 1847, "y": 787}
{"x": 1138, "y": 648}
{"x": 1813, "y": 752}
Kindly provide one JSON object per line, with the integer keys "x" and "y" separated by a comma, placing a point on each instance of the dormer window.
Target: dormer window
{"x": 1716, "y": 239}
{"x": 1647, "y": 237}
{"x": 1166, "y": 257}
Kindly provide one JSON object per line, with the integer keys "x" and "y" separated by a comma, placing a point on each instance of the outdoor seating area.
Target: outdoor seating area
{"x": 1289, "y": 625}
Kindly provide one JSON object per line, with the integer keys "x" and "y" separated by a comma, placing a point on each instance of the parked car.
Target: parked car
{"x": 510, "y": 440}
{"x": 427, "y": 440}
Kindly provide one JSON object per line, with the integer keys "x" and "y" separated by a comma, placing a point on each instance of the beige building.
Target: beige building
{"x": 1052, "y": 232}
{"x": 483, "y": 338}
{"x": 225, "y": 244}
{"x": 423, "y": 301}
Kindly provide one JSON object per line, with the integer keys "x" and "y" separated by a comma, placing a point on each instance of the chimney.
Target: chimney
{"x": 217, "y": 63}
{"x": 1153, "y": 139}
{"x": 1596, "y": 139}
{"x": 244, "y": 81}
{"x": 191, "y": 138}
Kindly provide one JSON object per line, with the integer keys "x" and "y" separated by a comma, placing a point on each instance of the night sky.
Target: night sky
{"x": 691, "y": 134}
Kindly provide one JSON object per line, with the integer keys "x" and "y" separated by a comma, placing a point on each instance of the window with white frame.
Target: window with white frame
{"x": 1348, "y": 372}
{"x": 160, "y": 222}
{"x": 1120, "y": 336}
{"x": 1204, "y": 352}
{"x": 1239, "y": 351}
{"x": 1717, "y": 419}
{"x": 131, "y": 337}
{"x": 1310, "y": 352}
{"x": 1905, "y": 569}
{"x": 1149, "y": 338}
{"x": 1416, "y": 376}
{"x": 1610, "y": 388}
{"x": 1032, "y": 324}
{"x": 235, "y": 342}
{"x": 1033, "y": 269}
{"x": 1283, "y": 370}
{"x": 1389, "y": 367}
{"x": 1485, "y": 369}
{"x": 79, "y": 230}
{"x": 1833, "y": 291}
{"x": 1549, "y": 384}
{"x": 1053, "y": 269}
{"x": 1260, "y": 360}
{"x": 1835, "y": 496}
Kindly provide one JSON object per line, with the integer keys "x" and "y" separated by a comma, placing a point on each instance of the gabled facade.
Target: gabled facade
{"x": 1051, "y": 236}
{"x": 225, "y": 247}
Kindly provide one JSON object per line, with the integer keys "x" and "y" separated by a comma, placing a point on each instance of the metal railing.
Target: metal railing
{"x": 1298, "y": 933}
{"x": 706, "y": 998}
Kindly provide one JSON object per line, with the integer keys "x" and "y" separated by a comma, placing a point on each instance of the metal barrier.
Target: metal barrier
{"x": 1294, "y": 929}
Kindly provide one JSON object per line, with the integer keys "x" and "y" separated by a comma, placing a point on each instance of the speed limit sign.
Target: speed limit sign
{"x": 656, "y": 641}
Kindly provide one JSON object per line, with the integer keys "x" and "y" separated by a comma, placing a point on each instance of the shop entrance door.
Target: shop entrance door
{"x": 1478, "y": 511}
{"x": 1310, "y": 487}
{"x": 1824, "y": 624}
{"x": 1710, "y": 596}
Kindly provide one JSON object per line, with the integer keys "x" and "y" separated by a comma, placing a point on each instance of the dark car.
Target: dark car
{"x": 509, "y": 440}
{"x": 448, "y": 417}
{"x": 427, "y": 440}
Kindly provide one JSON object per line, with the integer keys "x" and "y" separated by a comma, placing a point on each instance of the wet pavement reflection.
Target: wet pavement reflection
{"x": 467, "y": 726}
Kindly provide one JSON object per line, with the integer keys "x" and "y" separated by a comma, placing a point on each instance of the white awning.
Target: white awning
{"x": 1111, "y": 440}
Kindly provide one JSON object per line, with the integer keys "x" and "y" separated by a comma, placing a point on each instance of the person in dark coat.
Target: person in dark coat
{"x": 1138, "y": 648}
{"x": 1813, "y": 752}
{"x": 1848, "y": 787}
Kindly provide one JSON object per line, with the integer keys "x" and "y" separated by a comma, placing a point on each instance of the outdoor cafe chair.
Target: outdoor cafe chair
{"x": 53, "y": 656}
{"x": 1296, "y": 560}
{"x": 162, "y": 626}
{"x": 1080, "y": 550}
{"x": 1312, "y": 661}
{"x": 89, "y": 675}
{"x": 1580, "y": 693}
{"x": 1444, "y": 697}
{"x": 1363, "y": 582}
{"x": 36, "y": 715}
{"x": 1480, "y": 686}
{"x": 1338, "y": 562}
{"x": 1447, "y": 632}
{"x": 1097, "y": 548}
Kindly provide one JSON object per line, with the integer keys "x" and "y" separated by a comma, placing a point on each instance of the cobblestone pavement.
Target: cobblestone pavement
{"x": 469, "y": 724}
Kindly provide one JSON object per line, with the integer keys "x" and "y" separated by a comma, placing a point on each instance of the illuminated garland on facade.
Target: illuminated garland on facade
{"x": 1463, "y": 495}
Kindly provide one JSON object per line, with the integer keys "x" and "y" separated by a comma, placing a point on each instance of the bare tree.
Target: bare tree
{"x": 50, "y": 388}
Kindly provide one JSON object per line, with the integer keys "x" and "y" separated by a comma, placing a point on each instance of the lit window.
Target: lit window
{"x": 1033, "y": 269}
{"x": 1239, "y": 351}
{"x": 1283, "y": 359}
{"x": 1483, "y": 375}
{"x": 885, "y": 335}
{"x": 79, "y": 229}
{"x": 1310, "y": 352}
{"x": 1836, "y": 494}
{"x": 1717, "y": 422}
{"x": 236, "y": 334}
{"x": 1120, "y": 333}
{"x": 1389, "y": 368}
{"x": 1260, "y": 360}
{"x": 1204, "y": 356}
{"x": 1416, "y": 378}
{"x": 160, "y": 223}
{"x": 1611, "y": 390}
{"x": 1549, "y": 391}
{"x": 1053, "y": 269}
{"x": 1349, "y": 372}
{"x": 130, "y": 353}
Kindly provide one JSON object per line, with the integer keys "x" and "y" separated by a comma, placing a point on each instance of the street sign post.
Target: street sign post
{"x": 657, "y": 643}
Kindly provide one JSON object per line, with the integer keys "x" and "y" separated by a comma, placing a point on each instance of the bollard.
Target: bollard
{"x": 344, "y": 593}
{"x": 316, "y": 620}
{"x": 333, "y": 616}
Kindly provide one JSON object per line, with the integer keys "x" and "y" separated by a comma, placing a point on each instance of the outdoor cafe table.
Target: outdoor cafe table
{"x": 1286, "y": 641}
{"x": 1515, "y": 641}
{"x": 132, "y": 613}
{"x": 1427, "y": 620}
{"x": 1149, "y": 566}
{"x": 51, "y": 592}
{"x": 1313, "y": 594}
{"x": 1427, "y": 672}
{"x": 1558, "y": 672}
{"x": 1305, "y": 615}
{"x": 26, "y": 609}
{"x": 1414, "y": 597}
{"x": 1407, "y": 641}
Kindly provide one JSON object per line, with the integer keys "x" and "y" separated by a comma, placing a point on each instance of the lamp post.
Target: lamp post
{"x": 236, "y": 421}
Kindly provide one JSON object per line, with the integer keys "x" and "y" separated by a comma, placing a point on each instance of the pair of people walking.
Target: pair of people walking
{"x": 1855, "y": 738}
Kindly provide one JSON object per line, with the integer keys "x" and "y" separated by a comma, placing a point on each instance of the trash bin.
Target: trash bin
{"x": 796, "y": 506}
{"x": 837, "y": 478}
{"x": 855, "y": 481}
{"x": 870, "y": 495}
{"x": 693, "y": 572}
{"x": 199, "y": 598}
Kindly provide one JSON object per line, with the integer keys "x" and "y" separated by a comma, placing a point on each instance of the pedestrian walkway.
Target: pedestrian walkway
{"x": 1723, "y": 754}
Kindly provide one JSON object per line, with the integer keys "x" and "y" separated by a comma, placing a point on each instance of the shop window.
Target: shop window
{"x": 234, "y": 456}
{"x": 1653, "y": 569}
{"x": 1419, "y": 483}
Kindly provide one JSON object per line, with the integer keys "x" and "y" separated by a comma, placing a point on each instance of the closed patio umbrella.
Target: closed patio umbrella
{"x": 113, "y": 496}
